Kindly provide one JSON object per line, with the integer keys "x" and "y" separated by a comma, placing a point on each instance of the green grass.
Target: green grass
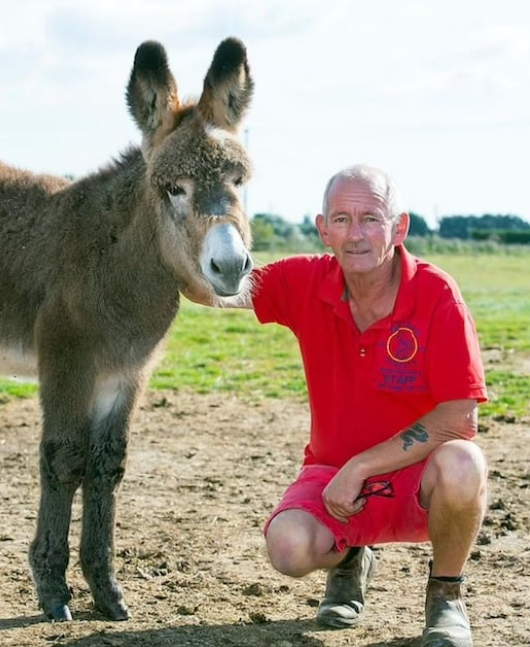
{"x": 17, "y": 389}
{"x": 227, "y": 350}
{"x": 212, "y": 350}
{"x": 509, "y": 394}
{"x": 497, "y": 289}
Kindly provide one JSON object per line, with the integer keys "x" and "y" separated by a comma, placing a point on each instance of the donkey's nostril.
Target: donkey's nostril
{"x": 215, "y": 268}
{"x": 241, "y": 266}
{"x": 248, "y": 265}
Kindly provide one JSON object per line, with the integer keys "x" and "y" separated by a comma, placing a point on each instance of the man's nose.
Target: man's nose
{"x": 355, "y": 231}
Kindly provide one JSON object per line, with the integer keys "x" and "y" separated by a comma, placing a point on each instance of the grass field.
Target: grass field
{"x": 497, "y": 289}
{"x": 227, "y": 350}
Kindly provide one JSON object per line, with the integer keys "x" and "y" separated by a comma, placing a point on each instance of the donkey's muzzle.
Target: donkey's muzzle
{"x": 225, "y": 261}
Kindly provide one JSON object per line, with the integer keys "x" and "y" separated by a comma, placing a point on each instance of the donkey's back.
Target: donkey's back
{"x": 26, "y": 215}
{"x": 90, "y": 275}
{"x": 75, "y": 250}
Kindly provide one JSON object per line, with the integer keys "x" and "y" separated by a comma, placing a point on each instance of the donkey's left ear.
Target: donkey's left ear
{"x": 228, "y": 86}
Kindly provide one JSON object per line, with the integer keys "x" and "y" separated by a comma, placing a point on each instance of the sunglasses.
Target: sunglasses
{"x": 377, "y": 488}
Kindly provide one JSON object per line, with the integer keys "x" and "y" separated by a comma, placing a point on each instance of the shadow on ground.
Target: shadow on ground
{"x": 289, "y": 633}
{"x": 271, "y": 634}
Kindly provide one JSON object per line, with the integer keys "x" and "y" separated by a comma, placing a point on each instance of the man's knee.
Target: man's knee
{"x": 289, "y": 546}
{"x": 457, "y": 470}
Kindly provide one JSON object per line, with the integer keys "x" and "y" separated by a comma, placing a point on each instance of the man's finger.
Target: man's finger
{"x": 337, "y": 513}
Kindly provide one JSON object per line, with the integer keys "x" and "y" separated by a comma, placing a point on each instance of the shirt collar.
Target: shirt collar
{"x": 333, "y": 288}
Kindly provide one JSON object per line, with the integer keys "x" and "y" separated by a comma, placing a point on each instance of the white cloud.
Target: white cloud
{"x": 437, "y": 93}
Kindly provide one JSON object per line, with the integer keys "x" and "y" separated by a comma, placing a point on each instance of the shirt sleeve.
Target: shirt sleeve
{"x": 268, "y": 294}
{"x": 454, "y": 358}
{"x": 280, "y": 290}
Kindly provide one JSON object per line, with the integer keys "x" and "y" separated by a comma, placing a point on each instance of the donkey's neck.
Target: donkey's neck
{"x": 110, "y": 237}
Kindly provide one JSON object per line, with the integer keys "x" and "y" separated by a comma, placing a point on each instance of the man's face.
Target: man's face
{"x": 358, "y": 227}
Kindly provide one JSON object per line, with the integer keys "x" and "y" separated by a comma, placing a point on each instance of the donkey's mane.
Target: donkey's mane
{"x": 130, "y": 163}
{"x": 128, "y": 158}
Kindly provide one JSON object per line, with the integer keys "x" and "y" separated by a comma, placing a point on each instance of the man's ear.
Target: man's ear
{"x": 402, "y": 228}
{"x": 321, "y": 225}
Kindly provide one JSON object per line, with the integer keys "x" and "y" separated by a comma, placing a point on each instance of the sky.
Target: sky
{"x": 437, "y": 93}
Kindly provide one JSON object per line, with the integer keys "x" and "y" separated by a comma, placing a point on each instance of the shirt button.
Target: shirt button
{"x": 362, "y": 352}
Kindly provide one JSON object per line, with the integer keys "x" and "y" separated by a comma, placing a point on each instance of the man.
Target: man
{"x": 394, "y": 376}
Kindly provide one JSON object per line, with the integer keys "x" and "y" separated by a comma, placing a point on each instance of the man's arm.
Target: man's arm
{"x": 448, "y": 421}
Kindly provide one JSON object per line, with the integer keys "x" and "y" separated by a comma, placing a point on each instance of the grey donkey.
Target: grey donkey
{"x": 90, "y": 276}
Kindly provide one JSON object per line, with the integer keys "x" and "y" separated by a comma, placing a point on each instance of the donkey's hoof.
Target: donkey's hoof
{"x": 115, "y": 610}
{"x": 59, "y": 612}
{"x": 119, "y": 612}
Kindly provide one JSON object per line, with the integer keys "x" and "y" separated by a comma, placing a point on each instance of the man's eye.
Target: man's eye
{"x": 176, "y": 190}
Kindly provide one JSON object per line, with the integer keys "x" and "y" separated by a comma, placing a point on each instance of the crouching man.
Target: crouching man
{"x": 394, "y": 378}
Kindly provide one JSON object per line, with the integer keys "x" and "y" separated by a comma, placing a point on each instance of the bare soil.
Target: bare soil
{"x": 203, "y": 474}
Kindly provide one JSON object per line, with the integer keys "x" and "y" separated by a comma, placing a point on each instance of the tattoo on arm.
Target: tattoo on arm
{"x": 415, "y": 433}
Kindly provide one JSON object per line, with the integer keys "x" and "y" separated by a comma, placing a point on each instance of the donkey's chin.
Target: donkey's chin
{"x": 228, "y": 288}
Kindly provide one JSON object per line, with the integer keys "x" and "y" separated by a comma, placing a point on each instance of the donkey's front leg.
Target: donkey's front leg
{"x": 62, "y": 464}
{"x": 49, "y": 551}
{"x": 105, "y": 467}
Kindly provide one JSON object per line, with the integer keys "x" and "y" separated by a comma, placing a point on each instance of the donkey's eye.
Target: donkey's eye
{"x": 176, "y": 190}
{"x": 239, "y": 181}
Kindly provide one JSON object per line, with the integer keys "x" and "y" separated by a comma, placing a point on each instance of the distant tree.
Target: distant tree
{"x": 501, "y": 222}
{"x": 263, "y": 236}
{"x": 454, "y": 227}
{"x": 281, "y": 227}
{"x": 418, "y": 225}
{"x": 465, "y": 227}
{"x": 310, "y": 232}
{"x": 515, "y": 236}
{"x": 308, "y": 227}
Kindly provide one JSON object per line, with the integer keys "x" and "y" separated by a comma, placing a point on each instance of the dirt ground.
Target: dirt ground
{"x": 203, "y": 473}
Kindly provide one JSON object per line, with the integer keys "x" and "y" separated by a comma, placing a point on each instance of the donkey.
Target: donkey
{"x": 90, "y": 276}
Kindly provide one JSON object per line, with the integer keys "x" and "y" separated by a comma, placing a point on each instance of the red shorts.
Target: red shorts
{"x": 382, "y": 520}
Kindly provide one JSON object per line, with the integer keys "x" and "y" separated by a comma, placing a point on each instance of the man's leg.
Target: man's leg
{"x": 298, "y": 544}
{"x": 346, "y": 586}
{"x": 453, "y": 490}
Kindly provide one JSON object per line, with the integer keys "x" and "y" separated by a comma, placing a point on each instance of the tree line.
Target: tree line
{"x": 271, "y": 231}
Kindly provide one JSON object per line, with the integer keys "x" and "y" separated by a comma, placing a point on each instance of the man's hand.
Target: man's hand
{"x": 341, "y": 495}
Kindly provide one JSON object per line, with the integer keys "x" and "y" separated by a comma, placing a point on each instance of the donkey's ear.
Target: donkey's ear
{"x": 152, "y": 94}
{"x": 228, "y": 86}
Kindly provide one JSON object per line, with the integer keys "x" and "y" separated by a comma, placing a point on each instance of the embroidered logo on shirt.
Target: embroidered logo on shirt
{"x": 402, "y": 345}
{"x": 402, "y": 360}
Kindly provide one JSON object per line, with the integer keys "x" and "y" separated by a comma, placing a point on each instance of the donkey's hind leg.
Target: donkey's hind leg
{"x": 113, "y": 406}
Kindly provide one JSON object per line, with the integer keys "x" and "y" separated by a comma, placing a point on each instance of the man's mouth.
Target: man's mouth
{"x": 357, "y": 252}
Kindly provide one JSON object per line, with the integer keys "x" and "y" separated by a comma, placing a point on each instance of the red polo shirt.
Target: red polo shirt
{"x": 366, "y": 387}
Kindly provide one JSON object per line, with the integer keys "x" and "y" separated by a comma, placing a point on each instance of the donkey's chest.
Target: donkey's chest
{"x": 128, "y": 332}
